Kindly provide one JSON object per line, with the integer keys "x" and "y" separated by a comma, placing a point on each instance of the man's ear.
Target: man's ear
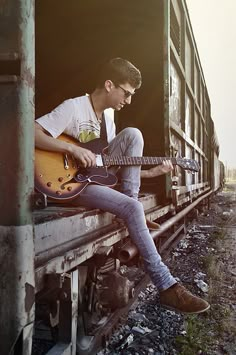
{"x": 108, "y": 85}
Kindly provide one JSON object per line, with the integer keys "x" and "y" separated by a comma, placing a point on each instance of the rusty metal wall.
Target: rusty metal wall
{"x": 189, "y": 109}
{"x": 16, "y": 175}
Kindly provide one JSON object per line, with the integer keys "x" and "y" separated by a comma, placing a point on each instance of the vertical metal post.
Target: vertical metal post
{"x": 167, "y": 84}
{"x": 16, "y": 175}
{"x": 166, "y": 60}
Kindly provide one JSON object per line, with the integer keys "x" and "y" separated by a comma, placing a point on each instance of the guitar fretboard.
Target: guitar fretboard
{"x": 125, "y": 160}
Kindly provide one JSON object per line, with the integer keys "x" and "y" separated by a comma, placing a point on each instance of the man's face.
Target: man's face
{"x": 120, "y": 95}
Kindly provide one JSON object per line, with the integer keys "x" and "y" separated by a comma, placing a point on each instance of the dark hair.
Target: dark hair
{"x": 119, "y": 71}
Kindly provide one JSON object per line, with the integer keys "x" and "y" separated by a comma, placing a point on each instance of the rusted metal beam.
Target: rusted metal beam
{"x": 16, "y": 176}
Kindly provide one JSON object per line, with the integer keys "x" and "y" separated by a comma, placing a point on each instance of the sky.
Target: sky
{"x": 213, "y": 23}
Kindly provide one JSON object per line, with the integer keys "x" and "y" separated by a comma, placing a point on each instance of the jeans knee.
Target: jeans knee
{"x": 133, "y": 207}
{"x": 134, "y": 134}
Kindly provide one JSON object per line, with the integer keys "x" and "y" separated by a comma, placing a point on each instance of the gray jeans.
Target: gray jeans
{"x": 125, "y": 205}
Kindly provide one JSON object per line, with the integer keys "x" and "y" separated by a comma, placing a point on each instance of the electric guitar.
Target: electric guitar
{"x": 60, "y": 177}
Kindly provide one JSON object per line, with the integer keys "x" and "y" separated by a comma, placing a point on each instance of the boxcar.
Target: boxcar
{"x": 56, "y": 256}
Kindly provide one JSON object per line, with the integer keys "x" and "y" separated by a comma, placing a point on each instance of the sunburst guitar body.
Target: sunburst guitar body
{"x": 60, "y": 177}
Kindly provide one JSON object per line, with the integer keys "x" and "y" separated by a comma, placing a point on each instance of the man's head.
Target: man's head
{"x": 119, "y": 71}
{"x": 120, "y": 79}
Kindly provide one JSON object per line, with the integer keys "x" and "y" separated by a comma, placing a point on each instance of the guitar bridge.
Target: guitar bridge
{"x": 66, "y": 166}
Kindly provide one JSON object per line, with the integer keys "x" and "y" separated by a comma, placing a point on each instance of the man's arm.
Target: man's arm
{"x": 46, "y": 142}
{"x": 164, "y": 168}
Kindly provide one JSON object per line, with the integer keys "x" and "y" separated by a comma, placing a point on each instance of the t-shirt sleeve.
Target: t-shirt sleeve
{"x": 57, "y": 121}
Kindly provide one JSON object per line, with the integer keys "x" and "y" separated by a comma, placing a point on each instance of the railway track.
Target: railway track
{"x": 212, "y": 237}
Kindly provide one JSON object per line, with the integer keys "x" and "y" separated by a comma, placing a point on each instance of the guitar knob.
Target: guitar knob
{"x": 49, "y": 184}
{"x": 58, "y": 193}
{"x": 60, "y": 179}
{"x": 69, "y": 188}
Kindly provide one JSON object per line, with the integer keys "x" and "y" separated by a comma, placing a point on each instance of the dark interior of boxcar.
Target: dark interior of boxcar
{"x": 72, "y": 40}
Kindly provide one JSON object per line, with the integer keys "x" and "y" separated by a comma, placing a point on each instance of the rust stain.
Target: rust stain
{"x": 28, "y": 77}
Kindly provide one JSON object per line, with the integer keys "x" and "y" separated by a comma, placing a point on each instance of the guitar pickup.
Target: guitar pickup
{"x": 99, "y": 161}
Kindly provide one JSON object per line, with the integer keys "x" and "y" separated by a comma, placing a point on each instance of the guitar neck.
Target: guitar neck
{"x": 97, "y": 146}
{"x": 128, "y": 161}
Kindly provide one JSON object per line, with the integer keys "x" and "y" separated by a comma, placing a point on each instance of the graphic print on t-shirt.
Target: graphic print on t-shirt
{"x": 88, "y": 131}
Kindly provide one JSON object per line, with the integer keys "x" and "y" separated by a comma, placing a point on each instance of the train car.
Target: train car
{"x": 222, "y": 175}
{"x": 58, "y": 261}
{"x": 217, "y": 166}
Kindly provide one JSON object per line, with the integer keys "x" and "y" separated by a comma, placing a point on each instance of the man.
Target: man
{"x": 81, "y": 118}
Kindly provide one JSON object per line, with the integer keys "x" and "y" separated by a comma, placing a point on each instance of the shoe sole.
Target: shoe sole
{"x": 178, "y": 310}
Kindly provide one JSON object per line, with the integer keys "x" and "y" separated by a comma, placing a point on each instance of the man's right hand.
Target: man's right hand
{"x": 43, "y": 140}
{"x": 85, "y": 157}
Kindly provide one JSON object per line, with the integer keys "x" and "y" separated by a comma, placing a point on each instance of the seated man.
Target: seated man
{"x": 81, "y": 118}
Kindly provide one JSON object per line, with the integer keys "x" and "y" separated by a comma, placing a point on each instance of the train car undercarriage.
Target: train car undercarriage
{"x": 87, "y": 284}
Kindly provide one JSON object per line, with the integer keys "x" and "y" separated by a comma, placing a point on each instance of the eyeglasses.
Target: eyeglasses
{"x": 127, "y": 93}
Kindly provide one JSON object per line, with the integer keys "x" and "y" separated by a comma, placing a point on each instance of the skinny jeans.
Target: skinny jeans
{"x": 125, "y": 205}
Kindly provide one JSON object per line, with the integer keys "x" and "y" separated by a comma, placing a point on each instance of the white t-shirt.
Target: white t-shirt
{"x": 77, "y": 118}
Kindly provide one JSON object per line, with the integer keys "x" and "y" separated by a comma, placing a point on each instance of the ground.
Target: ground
{"x": 205, "y": 262}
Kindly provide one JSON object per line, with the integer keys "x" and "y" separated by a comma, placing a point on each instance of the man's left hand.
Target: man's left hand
{"x": 164, "y": 168}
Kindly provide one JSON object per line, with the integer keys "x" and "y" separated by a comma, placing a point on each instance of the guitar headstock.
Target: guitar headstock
{"x": 188, "y": 164}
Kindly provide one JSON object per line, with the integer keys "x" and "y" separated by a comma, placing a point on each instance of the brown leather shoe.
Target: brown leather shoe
{"x": 177, "y": 298}
{"x": 153, "y": 226}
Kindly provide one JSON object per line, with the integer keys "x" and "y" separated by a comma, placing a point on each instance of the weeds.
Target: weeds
{"x": 203, "y": 332}
{"x": 196, "y": 339}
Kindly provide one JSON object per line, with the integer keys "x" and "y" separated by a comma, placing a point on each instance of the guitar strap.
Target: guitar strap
{"x": 103, "y": 132}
